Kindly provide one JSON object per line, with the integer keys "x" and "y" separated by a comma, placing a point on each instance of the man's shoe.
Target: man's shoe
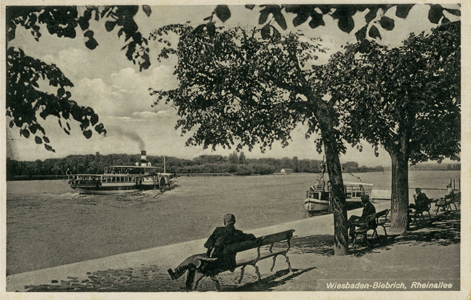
{"x": 171, "y": 273}
{"x": 209, "y": 258}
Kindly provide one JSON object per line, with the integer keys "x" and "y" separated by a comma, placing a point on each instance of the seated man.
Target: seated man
{"x": 221, "y": 237}
{"x": 368, "y": 209}
{"x": 445, "y": 202}
{"x": 449, "y": 193}
{"x": 421, "y": 201}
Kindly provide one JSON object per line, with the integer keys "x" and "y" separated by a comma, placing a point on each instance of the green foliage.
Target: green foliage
{"x": 64, "y": 21}
{"x": 248, "y": 88}
{"x": 350, "y": 166}
{"x": 204, "y": 159}
{"x": 251, "y": 88}
{"x": 95, "y": 164}
{"x": 25, "y": 100}
{"x": 342, "y": 13}
{"x": 308, "y": 166}
{"x": 222, "y": 12}
{"x": 244, "y": 170}
{"x": 408, "y": 98}
{"x": 262, "y": 169}
{"x": 237, "y": 88}
{"x": 233, "y": 158}
{"x": 242, "y": 159}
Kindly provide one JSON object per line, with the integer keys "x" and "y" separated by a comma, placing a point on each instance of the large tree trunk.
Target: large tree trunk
{"x": 338, "y": 200}
{"x": 334, "y": 170}
{"x": 399, "y": 193}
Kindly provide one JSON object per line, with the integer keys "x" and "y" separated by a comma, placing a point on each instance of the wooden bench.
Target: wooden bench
{"x": 381, "y": 219}
{"x": 445, "y": 204}
{"x": 258, "y": 244}
{"x": 363, "y": 226}
{"x": 415, "y": 212}
{"x": 457, "y": 201}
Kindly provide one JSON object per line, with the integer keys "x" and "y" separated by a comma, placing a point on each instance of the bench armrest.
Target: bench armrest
{"x": 358, "y": 222}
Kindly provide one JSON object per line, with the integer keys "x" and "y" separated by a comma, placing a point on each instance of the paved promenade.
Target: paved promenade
{"x": 403, "y": 260}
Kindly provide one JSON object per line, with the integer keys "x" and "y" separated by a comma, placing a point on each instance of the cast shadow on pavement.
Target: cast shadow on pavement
{"x": 268, "y": 283}
{"x": 443, "y": 230}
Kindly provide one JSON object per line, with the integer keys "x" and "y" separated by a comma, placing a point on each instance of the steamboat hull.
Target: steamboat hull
{"x": 313, "y": 205}
{"x": 113, "y": 189}
{"x": 118, "y": 184}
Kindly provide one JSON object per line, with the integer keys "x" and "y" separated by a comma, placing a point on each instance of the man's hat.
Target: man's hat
{"x": 229, "y": 219}
{"x": 365, "y": 198}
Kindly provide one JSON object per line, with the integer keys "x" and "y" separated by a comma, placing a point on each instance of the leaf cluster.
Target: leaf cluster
{"x": 407, "y": 98}
{"x": 25, "y": 101}
{"x": 64, "y": 21}
{"x": 238, "y": 87}
{"x": 343, "y": 13}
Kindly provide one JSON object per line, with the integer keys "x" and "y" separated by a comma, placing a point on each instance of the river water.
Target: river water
{"x": 49, "y": 224}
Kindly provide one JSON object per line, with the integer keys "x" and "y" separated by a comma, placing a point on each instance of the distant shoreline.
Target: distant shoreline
{"x": 64, "y": 177}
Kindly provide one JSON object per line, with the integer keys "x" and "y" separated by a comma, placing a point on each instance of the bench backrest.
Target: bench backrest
{"x": 260, "y": 241}
{"x": 370, "y": 218}
{"x": 276, "y": 237}
{"x": 382, "y": 213}
{"x": 241, "y": 246}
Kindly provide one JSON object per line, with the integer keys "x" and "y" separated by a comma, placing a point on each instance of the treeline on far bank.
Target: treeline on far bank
{"x": 234, "y": 164}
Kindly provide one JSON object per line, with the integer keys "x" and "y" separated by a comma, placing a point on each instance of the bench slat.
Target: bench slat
{"x": 247, "y": 261}
{"x": 276, "y": 237}
{"x": 382, "y": 213}
{"x": 241, "y": 246}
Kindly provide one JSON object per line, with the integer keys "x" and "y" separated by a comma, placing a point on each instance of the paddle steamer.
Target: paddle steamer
{"x": 121, "y": 179}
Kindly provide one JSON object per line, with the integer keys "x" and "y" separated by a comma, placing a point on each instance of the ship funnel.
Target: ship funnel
{"x": 143, "y": 158}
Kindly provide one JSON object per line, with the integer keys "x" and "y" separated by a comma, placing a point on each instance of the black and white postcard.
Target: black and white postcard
{"x": 301, "y": 150}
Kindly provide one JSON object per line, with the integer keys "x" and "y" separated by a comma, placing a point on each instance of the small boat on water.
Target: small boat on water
{"x": 122, "y": 179}
{"x": 318, "y": 197}
{"x": 317, "y": 200}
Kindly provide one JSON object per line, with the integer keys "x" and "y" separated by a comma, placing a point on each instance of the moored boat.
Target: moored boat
{"x": 318, "y": 197}
{"x": 122, "y": 179}
{"x": 317, "y": 200}
{"x": 354, "y": 190}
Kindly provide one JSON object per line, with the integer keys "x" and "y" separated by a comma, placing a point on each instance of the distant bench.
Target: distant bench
{"x": 445, "y": 204}
{"x": 363, "y": 226}
{"x": 258, "y": 243}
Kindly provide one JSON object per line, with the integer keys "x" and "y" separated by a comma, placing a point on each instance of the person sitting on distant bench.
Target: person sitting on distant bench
{"x": 368, "y": 209}
{"x": 221, "y": 237}
{"x": 445, "y": 201}
{"x": 421, "y": 201}
{"x": 449, "y": 194}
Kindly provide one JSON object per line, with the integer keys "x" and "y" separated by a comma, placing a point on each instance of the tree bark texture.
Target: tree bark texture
{"x": 334, "y": 170}
{"x": 399, "y": 193}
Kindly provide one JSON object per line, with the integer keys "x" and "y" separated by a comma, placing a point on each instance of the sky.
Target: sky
{"x": 105, "y": 80}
